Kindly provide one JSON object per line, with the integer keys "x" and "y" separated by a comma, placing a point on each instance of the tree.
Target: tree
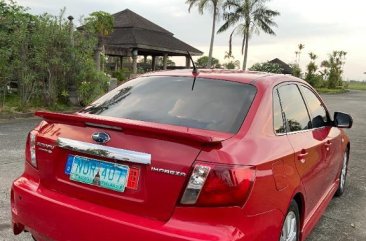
{"x": 214, "y": 5}
{"x": 311, "y": 76}
{"x": 296, "y": 70}
{"x": 101, "y": 24}
{"x": 267, "y": 67}
{"x": 231, "y": 62}
{"x": 312, "y": 67}
{"x": 36, "y": 51}
{"x": 159, "y": 61}
{"x": 202, "y": 62}
{"x": 16, "y": 46}
{"x": 325, "y": 71}
{"x": 247, "y": 17}
{"x": 298, "y": 52}
{"x": 170, "y": 62}
{"x": 12, "y": 18}
{"x": 333, "y": 67}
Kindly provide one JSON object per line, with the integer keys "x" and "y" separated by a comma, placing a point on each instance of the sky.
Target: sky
{"x": 321, "y": 25}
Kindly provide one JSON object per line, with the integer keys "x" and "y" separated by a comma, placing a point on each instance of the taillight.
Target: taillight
{"x": 30, "y": 149}
{"x": 218, "y": 185}
{"x": 195, "y": 184}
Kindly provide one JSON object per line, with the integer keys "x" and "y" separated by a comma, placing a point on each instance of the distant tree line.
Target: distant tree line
{"x": 327, "y": 73}
{"x": 267, "y": 67}
{"x": 230, "y": 62}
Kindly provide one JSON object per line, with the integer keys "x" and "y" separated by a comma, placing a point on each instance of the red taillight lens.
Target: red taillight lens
{"x": 221, "y": 185}
{"x": 30, "y": 149}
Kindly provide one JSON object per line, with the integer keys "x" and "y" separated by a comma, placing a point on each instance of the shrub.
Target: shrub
{"x": 46, "y": 57}
{"x": 267, "y": 67}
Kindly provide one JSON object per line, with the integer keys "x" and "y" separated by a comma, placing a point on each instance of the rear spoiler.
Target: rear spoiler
{"x": 176, "y": 132}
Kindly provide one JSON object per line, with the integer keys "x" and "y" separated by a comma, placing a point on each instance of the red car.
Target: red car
{"x": 173, "y": 155}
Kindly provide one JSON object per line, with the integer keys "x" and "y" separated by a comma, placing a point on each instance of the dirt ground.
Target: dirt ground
{"x": 344, "y": 219}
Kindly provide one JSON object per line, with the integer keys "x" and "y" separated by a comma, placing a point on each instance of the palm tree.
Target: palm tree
{"x": 300, "y": 47}
{"x": 333, "y": 68}
{"x": 248, "y": 17}
{"x": 231, "y": 62}
{"x": 214, "y": 5}
{"x": 313, "y": 56}
{"x": 101, "y": 24}
{"x": 312, "y": 68}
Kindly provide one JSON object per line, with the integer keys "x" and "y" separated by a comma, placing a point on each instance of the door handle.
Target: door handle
{"x": 327, "y": 145}
{"x": 301, "y": 156}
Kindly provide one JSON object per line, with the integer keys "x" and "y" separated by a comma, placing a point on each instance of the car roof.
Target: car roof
{"x": 248, "y": 77}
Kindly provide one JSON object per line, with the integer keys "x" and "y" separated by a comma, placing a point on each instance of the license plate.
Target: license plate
{"x": 99, "y": 173}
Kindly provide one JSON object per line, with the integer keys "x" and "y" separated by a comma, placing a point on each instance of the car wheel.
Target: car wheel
{"x": 343, "y": 175}
{"x": 291, "y": 224}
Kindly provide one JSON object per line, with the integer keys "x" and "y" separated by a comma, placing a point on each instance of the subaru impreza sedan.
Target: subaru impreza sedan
{"x": 176, "y": 155}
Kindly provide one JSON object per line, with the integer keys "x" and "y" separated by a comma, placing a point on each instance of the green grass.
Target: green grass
{"x": 352, "y": 85}
{"x": 356, "y": 85}
{"x": 331, "y": 91}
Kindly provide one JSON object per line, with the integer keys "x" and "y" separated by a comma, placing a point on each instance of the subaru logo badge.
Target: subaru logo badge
{"x": 101, "y": 137}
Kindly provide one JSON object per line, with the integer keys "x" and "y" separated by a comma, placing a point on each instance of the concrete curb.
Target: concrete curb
{"x": 16, "y": 115}
{"x": 7, "y": 116}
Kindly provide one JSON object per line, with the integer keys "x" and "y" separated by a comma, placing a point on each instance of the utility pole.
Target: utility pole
{"x": 73, "y": 97}
{"x": 70, "y": 18}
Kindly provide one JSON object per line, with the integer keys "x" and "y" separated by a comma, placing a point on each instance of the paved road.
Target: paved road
{"x": 344, "y": 220}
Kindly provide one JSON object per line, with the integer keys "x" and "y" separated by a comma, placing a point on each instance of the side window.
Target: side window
{"x": 297, "y": 116}
{"x": 317, "y": 111}
{"x": 278, "y": 124}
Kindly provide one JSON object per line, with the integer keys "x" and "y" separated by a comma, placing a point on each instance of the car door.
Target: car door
{"x": 306, "y": 142}
{"x": 323, "y": 128}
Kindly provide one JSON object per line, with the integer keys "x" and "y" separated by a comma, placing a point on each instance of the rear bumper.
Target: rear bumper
{"x": 50, "y": 215}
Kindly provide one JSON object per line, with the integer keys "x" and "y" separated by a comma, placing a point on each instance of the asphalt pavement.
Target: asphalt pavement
{"x": 344, "y": 219}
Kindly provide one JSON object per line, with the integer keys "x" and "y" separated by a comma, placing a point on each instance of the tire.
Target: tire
{"x": 291, "y": 224}
{"x": 343, "y": 175}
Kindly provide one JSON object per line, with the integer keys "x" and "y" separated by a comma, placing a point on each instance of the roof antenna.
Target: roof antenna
{"x": 194, "y": 71}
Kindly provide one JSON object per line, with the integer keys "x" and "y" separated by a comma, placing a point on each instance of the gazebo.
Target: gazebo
{"x": 134, "y": 36}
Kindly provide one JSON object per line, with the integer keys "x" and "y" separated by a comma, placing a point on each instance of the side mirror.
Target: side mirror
{"x": 342, "y": 120}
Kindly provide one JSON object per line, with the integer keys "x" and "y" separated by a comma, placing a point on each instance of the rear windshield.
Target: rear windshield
{"x": 216, "y": 105}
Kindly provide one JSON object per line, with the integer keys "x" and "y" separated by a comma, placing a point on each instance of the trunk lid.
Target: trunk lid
{"x": 162, "y": 155}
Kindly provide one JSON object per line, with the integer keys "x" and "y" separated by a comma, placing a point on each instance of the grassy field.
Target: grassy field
{"x": 356, "y": 85}
{"x": 331, "y": 91}
{"x": 352, "y": 85}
